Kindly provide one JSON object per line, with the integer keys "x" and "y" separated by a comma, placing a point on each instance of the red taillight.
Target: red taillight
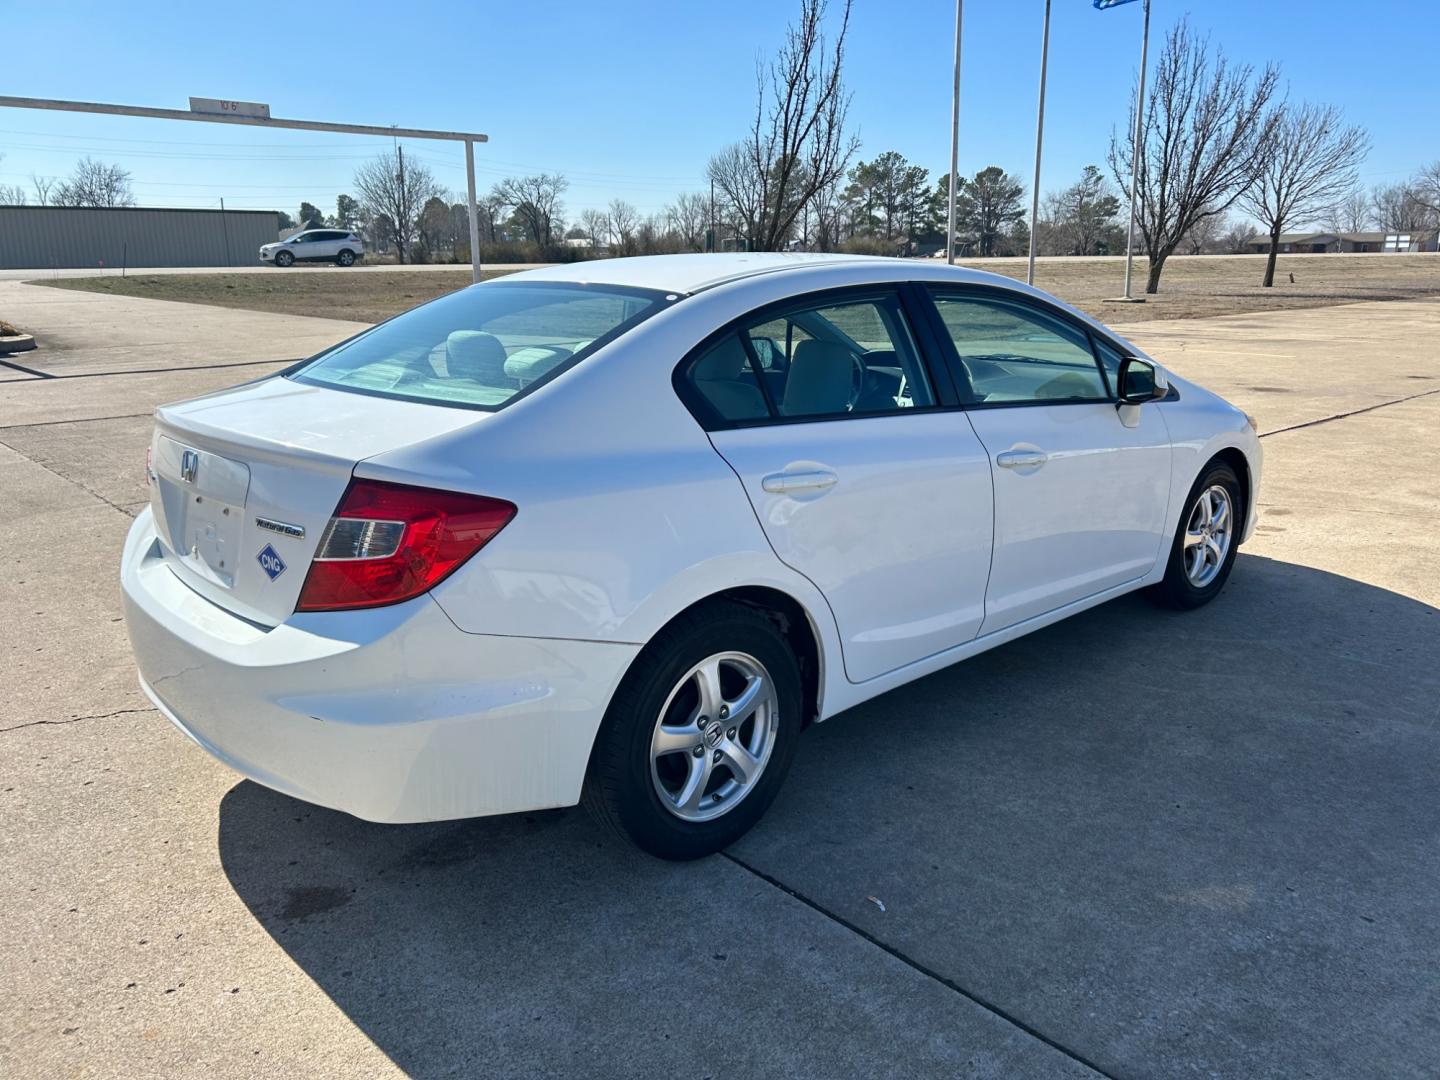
{"x": 390, "y": 542}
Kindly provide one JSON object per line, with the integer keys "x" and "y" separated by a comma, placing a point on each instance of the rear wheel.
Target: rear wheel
{"x": 698, "y": 738}
{"x": 345, "y": 258}
{"x": 284, "y": 258}
{"x": 1203, "y": 551}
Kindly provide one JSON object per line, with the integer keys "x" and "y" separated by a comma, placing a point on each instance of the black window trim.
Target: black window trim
{"x": 901, "y": 293}
{"x": 959, "y": 290}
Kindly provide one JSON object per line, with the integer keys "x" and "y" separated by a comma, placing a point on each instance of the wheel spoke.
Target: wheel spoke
{"x": 743, "y": 764}
{"x": 687, "y": 800}
{"x": 1213, "y": 547}
{"x": 670, "y": 740}
{"x": 1193, "y": 538}
{"x": 1222, "y": 513}
{"x": 747, "y": 700}
{"x": 707, "y": 679}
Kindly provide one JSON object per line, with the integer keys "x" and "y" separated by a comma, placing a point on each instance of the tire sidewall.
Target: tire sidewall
{"x": 345, "y": 258}
{"x": 284, "y": 260}
{"x": 1177, "y": 582}
{"x": 632, "y": 717}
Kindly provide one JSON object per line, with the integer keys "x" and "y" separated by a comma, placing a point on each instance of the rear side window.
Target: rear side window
{"x": 844, "y": 358}
{"x": 482, "y": 346}
{"x": 1012, "y": 352}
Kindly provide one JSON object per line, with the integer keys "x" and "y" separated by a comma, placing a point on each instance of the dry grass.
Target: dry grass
{"x": 1192, "y": 287}
{"x": 364, "y": 297}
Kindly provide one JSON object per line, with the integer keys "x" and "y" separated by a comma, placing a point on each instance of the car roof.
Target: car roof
{"x": 693, "y": 273}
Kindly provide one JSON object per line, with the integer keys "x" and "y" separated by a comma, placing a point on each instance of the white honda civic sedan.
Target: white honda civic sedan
{"x": 619, "y": 531}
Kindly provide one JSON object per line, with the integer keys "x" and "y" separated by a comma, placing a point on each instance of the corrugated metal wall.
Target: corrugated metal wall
{"x": 47, "y": 237}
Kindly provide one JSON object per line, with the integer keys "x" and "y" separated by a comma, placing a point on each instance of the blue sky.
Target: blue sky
{"x": 629, "y": 98}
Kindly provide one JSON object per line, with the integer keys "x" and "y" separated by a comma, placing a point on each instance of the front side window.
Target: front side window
{"x": 482, "y": 346}
{"x": 1012, "y": 352}
{"x": 837, "y": 359}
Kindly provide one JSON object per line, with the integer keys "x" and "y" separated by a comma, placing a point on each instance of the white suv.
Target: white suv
{"x": 315, "y": 245}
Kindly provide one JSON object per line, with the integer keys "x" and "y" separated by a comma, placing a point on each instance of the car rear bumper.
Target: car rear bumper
{"x": 391, "y": 714}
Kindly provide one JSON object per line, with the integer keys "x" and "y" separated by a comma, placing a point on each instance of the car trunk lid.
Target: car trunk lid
{"x": 243, "y": 482}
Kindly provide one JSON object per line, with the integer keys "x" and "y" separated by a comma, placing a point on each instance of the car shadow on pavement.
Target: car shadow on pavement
{"x": 1168, "y": 842}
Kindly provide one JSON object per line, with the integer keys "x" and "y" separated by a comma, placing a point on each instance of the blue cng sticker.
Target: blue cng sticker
{"x": 271, "y": 562}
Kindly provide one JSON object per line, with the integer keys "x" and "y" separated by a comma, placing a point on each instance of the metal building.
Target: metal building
{"x": 50, "y": 237}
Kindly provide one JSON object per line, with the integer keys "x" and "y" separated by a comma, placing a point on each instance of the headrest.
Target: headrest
{"x": 822, "y": 379}
{"x": 724, "y": 360}
{"x": 474, "y": 354}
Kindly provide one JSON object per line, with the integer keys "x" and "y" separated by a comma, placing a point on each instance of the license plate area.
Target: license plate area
{"x": 199, "y": 500}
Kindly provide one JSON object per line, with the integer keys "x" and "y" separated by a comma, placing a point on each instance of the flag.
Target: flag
{"x": 1101, "y": 5}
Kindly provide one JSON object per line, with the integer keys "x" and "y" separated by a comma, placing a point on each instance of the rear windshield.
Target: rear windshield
{"x": 483, "y": 346}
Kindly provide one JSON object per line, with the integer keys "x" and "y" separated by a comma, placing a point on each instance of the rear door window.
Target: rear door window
{"x": 483, "y": 346}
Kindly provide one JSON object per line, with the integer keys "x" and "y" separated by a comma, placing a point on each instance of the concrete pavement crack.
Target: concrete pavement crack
{"x": 74, "y": 719}
{"x": 915, "y": 965}
{"x": 1352, "y": 412}
{"x": 67, "y": 479}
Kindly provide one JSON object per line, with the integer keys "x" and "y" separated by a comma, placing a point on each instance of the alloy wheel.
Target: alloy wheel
{"x": 1208, "y": 532}
{"x": 714, "y": 736}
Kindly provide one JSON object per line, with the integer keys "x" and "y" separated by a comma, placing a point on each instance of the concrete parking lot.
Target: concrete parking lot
{"x": 1137, "y": 843}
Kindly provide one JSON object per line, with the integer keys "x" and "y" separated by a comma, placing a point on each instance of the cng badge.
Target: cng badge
{"x": 271, "y": 562}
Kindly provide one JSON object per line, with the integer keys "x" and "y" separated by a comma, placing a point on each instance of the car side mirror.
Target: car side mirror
{"x": 1139, "y": 381}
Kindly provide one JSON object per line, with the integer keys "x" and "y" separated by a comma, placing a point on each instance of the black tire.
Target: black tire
{"x": 345, "y": 258}
{"x": 1177, "y": 590}
{"x": 618, "y": 786}
{"x": 284, "y": 259}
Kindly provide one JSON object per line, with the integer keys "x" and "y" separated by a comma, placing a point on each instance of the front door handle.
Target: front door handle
{"x": 786, "y": 483}
{"x": 1021, "y": 459}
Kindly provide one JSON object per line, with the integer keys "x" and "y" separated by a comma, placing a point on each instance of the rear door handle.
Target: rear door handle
{"x": 785, "y": 483}
{"x": 1021, "y": 459}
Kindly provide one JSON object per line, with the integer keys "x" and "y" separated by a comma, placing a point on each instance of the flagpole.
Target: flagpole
{"x": 1137, "y": 150}
{"x": 1039, "y": 138}
{"x": 955, "y": 139}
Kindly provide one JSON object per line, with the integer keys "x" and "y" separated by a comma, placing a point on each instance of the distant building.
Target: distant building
{"x": 52, "y": 237}
{"x": 1327, "y": 243}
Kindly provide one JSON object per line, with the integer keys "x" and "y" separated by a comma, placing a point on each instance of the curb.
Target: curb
{"x": 17, "y": 343}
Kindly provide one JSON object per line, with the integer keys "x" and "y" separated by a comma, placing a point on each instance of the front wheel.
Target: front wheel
{"x": 700, "y": 734}
{"x": 284, "y": 259}
{"x": 1203, "y": 551}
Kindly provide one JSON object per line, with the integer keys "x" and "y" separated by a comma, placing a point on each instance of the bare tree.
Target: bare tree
{"x": 596, "y": 224}
{"x": 688, "y": 217}
{"x": 797, "y": 143}
{"x": 536, "y": 202}
{"x": 11, "y": 194}
{"x": 1398, "y": 210}
{"x": 93, "y": 183}
{"x": 623, "y": 221}
{"x": 742, "y": 193}
{"x": 396, "y": 191}
{"x": 1203, "y": 128}
{"x": 1203, "y": 236}
{"x": 1306, "y": 166}
{"x": 1352, "y": 213}
{"x": 1238, "y": 238}
{"x": 43, "y": 186}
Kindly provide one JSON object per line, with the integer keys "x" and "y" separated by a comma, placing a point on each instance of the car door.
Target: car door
{"x": 860, "y": 476}
{"x": 1081, "y": 485}
{"x": 323, "y": 245}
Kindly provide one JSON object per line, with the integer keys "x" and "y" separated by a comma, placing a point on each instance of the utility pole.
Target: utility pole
{"x": 1039, "y": 137}
{"x": 955, "y": 139}
{"x": 402, "y": 228}
{"x": 1136, "y": 152}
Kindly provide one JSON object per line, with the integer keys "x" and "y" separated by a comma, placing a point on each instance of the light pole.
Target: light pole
{"x": 955, "y": 139}
{"x": 1039, "y": 138}
{"x": 1137, "y": 150}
